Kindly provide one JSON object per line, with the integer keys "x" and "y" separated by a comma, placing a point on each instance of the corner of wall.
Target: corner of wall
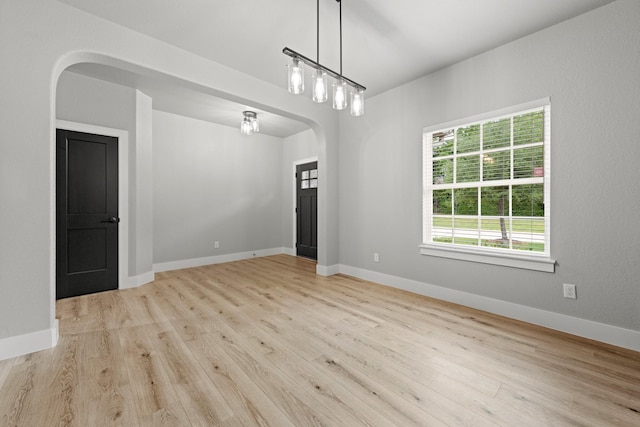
{"x": 327, "y": 270}
{"x": 29, "y": 343}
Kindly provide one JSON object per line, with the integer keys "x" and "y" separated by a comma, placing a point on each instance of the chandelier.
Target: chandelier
{"x": 319, "y": 92}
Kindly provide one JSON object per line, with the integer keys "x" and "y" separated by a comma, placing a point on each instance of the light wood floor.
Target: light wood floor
{"x": 267, "y": 342}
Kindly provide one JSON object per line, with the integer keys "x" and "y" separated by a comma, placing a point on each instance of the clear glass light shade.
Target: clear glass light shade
{"x": 249, "y": 124}
{"x": 340, "y": 95}
{"x": 319, "y": 86}
{"x": 295, "y": 75}
{"x": 357, "y": 102}
{"x": 246, "y": 128}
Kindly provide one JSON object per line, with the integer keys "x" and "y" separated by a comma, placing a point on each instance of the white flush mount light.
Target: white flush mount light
{"x": 249, "y": 124}
{"x": 344, "y": 89}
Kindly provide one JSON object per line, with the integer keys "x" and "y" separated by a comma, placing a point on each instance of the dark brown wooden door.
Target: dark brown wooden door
{"x": 86, "y": 213}
{"x": 307, "y": 210}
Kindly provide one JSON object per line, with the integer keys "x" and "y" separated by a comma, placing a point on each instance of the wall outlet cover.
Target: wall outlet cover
{"x": 569, "y": 291}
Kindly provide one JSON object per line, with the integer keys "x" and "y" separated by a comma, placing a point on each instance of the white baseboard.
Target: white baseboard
{"x": 327, "y": 270}
{"x": 602, "y": 332}
{"x": 197, "y": 262}
{"x": 29, "y": 343}
{"x": 135, "y": 281}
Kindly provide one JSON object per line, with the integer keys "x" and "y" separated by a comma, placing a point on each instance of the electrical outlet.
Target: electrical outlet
{"x": 376, "y": 257}
{"x": 216, "y": 244}
{"x": 569, "y": 290}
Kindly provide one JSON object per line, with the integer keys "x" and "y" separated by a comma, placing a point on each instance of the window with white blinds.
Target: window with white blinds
{"x": 486, "y": 182}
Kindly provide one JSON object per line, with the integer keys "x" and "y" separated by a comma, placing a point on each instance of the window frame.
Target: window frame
{"x": 539, "y": 261}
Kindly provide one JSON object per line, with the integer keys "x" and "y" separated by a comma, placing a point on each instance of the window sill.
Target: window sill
{"x": 527, "y": 262}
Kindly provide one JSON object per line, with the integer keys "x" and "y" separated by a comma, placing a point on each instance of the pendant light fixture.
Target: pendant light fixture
{"x": 344, "y": 89}
{"x": 295, "y": 77}
{"x": 357, "y": 102}
{"x": 339, "y": 95}
{"x": 319, "y": 86}
{"x": 249, "y": 124}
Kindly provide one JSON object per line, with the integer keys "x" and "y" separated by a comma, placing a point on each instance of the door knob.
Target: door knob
{"x": 113, "y": 219}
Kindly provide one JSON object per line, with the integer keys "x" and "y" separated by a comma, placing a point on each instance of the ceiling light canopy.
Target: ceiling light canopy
{"x": 344, "y": 89}
{"x": 249, "y": 124}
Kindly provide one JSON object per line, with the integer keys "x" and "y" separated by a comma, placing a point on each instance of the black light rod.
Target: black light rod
{"x": 340, "y": 3}
{"x": 312, "y": 63}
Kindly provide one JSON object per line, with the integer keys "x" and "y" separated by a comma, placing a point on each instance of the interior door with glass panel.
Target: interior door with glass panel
{"x": 307, "y": 210}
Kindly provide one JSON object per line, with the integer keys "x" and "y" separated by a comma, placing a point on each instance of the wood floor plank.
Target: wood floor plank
{"x": 408, "y": 384}
{"x": 248, "y": 403}
{"x": 311, "y": 375}
{"x": 267, "y": 342}
{"x": 205, "y": 405}
{"x": 5, "y": 368}
{"x": 273, "y": 382}
{"x": 259, "y": 394}
{"x": 60, "y": 379}
{"x": 152, "y": 393}
{"x": 531, "y": 405}
{"x": 103, "y": 385}
{"x": 18, "y": 397}
{"x": 403, "y": 377}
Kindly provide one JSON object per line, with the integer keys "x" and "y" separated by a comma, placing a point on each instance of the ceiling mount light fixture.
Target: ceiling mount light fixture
{"x": 295, "y": 76}
{"x": 249, "y": 124}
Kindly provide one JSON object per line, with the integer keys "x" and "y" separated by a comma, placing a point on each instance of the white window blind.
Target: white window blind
{"x": 486, "y": 182}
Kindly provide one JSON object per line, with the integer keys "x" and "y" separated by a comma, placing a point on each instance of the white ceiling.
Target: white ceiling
{"x": 385, "y": 43}
{"x": 188, "y": 102}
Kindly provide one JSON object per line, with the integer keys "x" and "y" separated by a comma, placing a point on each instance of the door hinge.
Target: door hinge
{"x": 296, "y": 210}
{"x": 296, "y": 174}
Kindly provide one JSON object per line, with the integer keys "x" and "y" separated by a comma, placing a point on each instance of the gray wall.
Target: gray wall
{"x": 590, "y": 67}
{"x": 86, "y": 100}
{"x": 209, "y": 181}
{"x": 213, "y": 183}
{"x": 96, "y": 102}
{"x": 39, "y": 39}
{"x": 141, "y": 187}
